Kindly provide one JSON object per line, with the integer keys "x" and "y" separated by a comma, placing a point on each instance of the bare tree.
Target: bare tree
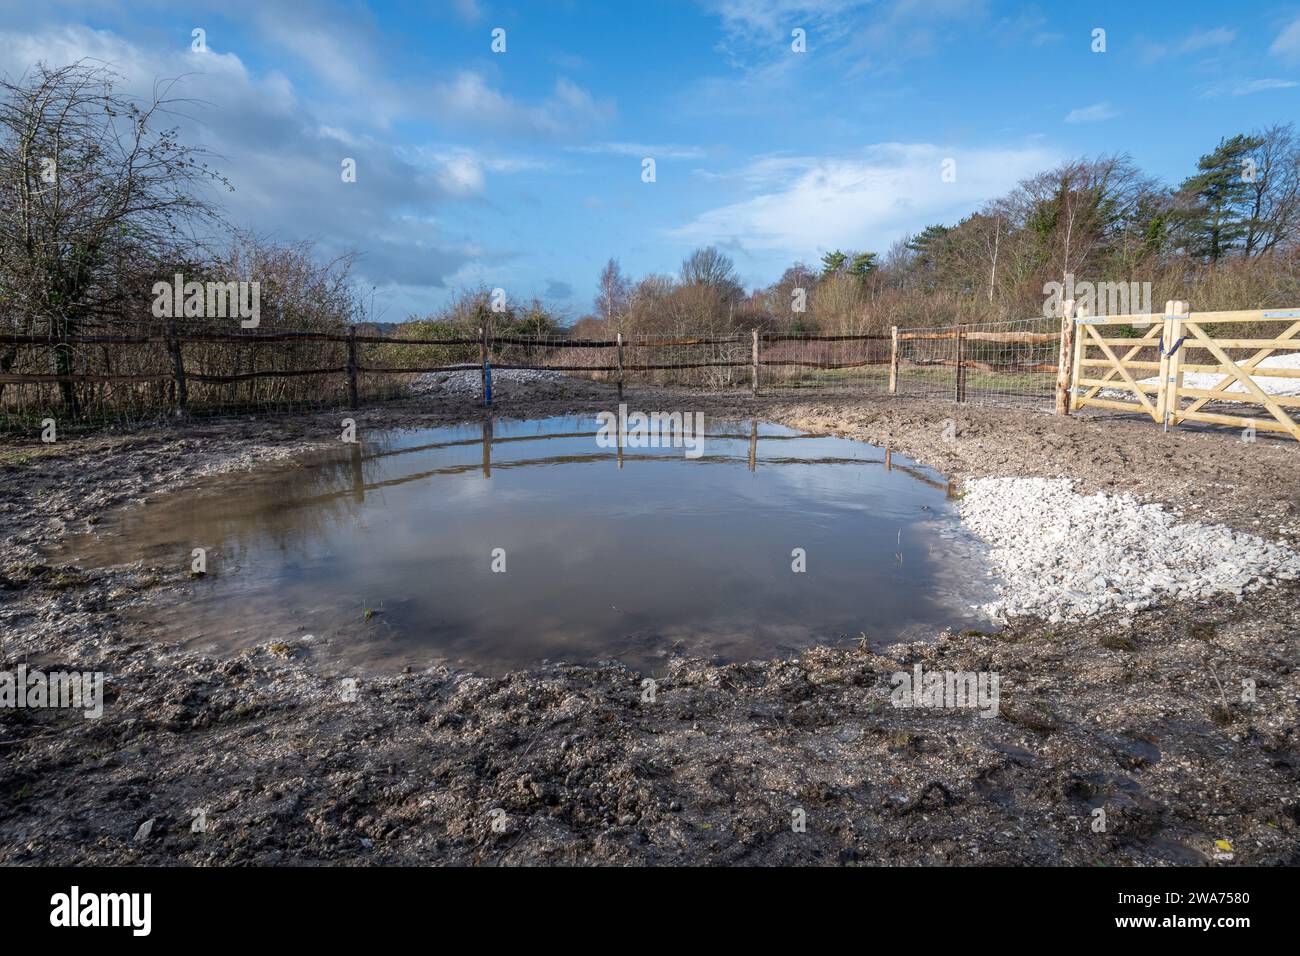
{"x": 613, "y": 293}
{"x": 91, "y": 193}
{"x": 1082, "y": 209}
{"x": 1274, "y": 190}
{"x": 710, "y": 267}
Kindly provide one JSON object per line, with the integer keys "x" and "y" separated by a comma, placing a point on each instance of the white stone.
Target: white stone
{"x": 1058, "y": 552}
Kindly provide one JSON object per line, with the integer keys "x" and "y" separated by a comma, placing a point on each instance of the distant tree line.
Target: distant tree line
{"x": 1224, "y": 238}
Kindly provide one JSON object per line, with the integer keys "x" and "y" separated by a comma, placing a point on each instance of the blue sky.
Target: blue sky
{"x": 523, "y": 169}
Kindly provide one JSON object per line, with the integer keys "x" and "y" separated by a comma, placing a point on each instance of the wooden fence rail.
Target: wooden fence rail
{"x": 1100, "y": 362}
{"x": 765, "y": 349}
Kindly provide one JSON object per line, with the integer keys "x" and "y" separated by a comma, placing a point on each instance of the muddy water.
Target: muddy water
{"x": 384, "y": 551}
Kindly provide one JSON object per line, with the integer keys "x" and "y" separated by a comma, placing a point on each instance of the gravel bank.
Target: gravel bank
{"x": 1063, "y": 555}
{"x": 508, "y": 384}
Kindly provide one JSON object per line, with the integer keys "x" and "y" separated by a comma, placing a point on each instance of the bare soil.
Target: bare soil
{"x": 1143, "y": 720}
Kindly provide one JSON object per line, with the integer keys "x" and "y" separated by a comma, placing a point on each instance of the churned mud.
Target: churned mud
{"x": 1177, "y": 721}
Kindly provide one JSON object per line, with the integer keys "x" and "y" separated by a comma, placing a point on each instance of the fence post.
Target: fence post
{"x": 483, "y": 358}
{"x": 1171, "y": 362}
{"x": 893, "y": 360}
{"x": 754, "y": 362}
{"x": 961, "y": 366}
{"x": 1065, "y": 360}
{"x": 352, "y": 366}
{"x": 178, "y": 367}
{"x": 620, "y": 365}
{"x": 1076, "y": 365}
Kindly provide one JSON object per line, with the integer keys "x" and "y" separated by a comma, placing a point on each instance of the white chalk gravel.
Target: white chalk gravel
{"x": 469, "y": 383}
{"x": 1063, "y": 555}
{"x": 1269, "y": 384}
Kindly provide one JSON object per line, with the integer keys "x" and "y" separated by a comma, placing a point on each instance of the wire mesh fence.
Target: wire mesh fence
{"x": 153, "y": 370}
{"x": 1002, "y": 363}
{"x": 836, "y": 363}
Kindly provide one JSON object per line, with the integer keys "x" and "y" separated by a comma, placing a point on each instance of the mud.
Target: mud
{"x": 792, "y": 761}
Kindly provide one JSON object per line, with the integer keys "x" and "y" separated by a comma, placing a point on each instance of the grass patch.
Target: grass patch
{"x": 903, "y": 740}
{"x": 1221, "y": 715}
{"x": 1119, "y": 642}
{"x": 23, "y": 455}
{"x": 1036, "y": 716}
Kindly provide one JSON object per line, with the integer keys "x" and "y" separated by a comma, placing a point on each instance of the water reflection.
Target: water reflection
{"x": 381, "y": 549}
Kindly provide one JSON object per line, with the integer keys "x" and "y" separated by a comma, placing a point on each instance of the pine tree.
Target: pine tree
{"x": 927, "y": 243}
{"x": 863, "y": 264}
{"x": 833, "y": 262}
{"x": 1219, "y": 218}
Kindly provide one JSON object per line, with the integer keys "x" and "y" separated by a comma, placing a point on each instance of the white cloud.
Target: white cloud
{"x": 467, "y": 99}
{"x": 1194, "y": 42}
{"x": 462, "y": 176}
{"x": 1287, "y": 44}
{"x": 866, "y": 200}
{"x": 639, "y": 150}
{"x": 467, "y": 10}
{"x": 1247, "y": 87}
{"x": 461, "y": 172}
{"x": 1096, "y": 113}
{"x": 1200, "y": 40}
{"x": 769, "y": 17}
{"x": 282, "y": 157}
{"x": 844, "y": 38}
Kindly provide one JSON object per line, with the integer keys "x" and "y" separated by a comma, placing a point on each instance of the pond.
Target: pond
{"x": 498, "y": 545}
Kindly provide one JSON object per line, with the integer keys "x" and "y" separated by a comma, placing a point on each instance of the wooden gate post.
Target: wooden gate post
{"x": 1171, "y": 362}
{"x": 1065, "y": 360}
{"x": 754, "y": 362}
{"x": 893, "y": 360}
{"x": 1163, "y": 378}
{"x": 620, "y": 366}
{"x": 178, "y": 367}
{"x": 1076, "y": 366}
{"x": 352, "y": 366}
{"x": 960, "y": 388}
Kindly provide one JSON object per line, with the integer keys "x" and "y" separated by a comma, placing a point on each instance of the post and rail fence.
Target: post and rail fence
{"x": 1028, "y": 362}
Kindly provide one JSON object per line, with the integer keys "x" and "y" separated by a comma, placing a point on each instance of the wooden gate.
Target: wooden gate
{"x": 1173, "y": 346}
{"x": 1124, "y": 370}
